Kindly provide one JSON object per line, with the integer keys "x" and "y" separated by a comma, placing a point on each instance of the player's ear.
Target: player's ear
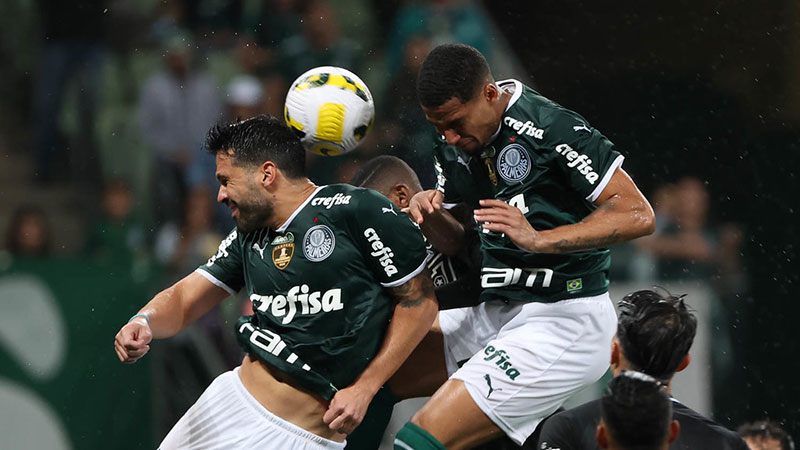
{"x": 684, "y": 363}
{"x": 614, "y": 353}
{"x": 674, "y": 431}
{"x": 402, "y": 195}
{"x": 491, "y": 91}
{"x": 267, "y": 173}
{"x": 600, "y": 435}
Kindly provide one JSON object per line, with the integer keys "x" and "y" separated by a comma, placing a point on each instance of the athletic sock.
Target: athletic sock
{"x": 412, "y": 437}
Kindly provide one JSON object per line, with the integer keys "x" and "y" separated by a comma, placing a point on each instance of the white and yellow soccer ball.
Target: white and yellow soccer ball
{"x": 330, "y": 108}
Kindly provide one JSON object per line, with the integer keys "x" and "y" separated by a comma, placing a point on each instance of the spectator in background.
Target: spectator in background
{"x": 405, "y": 131}
{"x": 444, "y": 21}
{"x": 683, "y": 245}
{"x": 177, "y": 106}
{"x": 72, "y": 50}
{"x": 275, "y": 21}
{"x": 29, "y": 233}
{"x": 182, "y": 246}
{"x": 320, "y": 43}
{"x": 117, "y": 237}
{"x": 765, "y": 435}
{"x": 636, "y": 415}
{"x": 244, "y": 98}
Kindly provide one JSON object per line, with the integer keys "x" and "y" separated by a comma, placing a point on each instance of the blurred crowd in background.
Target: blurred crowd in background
{"x": 105, "y": 105}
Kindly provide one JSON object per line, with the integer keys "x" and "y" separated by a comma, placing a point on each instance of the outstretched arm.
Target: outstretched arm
{"x": 169, "y": 312}
{"x": 622, "y": 214}
{"x": 414, "y": 312}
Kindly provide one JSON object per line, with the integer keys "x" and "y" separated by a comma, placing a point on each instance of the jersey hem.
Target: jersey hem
{"x": 215, "y": 281}
{"x": 606, "y": 179}
{"x": 411, "y": 275}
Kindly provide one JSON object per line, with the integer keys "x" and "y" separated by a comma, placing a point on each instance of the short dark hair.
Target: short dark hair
{"x": 655, "y": 332}
{"x": 636, "y": 411}
{"x": 383, "y": 172}
{"x": 764, "y": 430}
{"x": 258, "y": 139}
{"x": 451, "y": 70}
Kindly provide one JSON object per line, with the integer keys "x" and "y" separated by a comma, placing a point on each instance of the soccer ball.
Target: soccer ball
{"x": 330, "y": 108}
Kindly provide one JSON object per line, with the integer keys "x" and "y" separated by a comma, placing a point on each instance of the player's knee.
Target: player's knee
{"x": 414, "y": 437}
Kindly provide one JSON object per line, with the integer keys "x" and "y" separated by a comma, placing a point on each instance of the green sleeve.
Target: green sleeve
{"x": 390, "y": 242}
{"x": 224, "y": 269}
{"x": 586, "y": 157}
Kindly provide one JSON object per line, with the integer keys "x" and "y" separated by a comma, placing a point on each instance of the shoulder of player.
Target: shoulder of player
{"x": 347, "y": 199}
{"x": 577, "y": 417}
{"x": 543, "y": 122}
{"x": 700, "y": 424}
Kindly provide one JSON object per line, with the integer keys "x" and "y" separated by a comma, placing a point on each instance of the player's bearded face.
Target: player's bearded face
{"x": 253, "y": 209}
{"x": 241, "y": 191}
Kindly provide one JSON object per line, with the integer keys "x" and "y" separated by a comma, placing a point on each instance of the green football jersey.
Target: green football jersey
{"x": 316, "y": 284}
{"x": 551, "y": 164}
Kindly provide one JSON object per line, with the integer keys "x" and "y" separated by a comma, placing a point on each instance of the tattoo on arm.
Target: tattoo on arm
{"x": 414, "y": 292}
{"x": 581, "y": 243}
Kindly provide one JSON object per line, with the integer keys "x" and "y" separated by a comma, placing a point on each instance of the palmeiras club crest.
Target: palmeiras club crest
{"x": 513, "y": 163}
{"x": 318, "y": 243}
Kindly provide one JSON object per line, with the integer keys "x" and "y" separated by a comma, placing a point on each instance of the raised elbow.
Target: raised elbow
{"x": 647, "y": 222}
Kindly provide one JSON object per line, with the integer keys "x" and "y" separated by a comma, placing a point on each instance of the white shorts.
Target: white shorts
{"x": 526, "y": 359}
{"x": 227, "y": 416}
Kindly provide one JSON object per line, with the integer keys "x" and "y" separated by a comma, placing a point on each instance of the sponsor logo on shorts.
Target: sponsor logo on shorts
{"x": 578, "y": 161}
{"x": 318, "y": 243}
{"x": 298, "y": 300}
{"x": 488, "y": 379}
{"x": 383, "y": 253}
{"x": 329, "y": 202}
{"x": 513, "y": 163}
{"x": 502, "y": 360}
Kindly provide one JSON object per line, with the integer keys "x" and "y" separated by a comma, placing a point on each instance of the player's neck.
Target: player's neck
{"x": 291, "y": 195}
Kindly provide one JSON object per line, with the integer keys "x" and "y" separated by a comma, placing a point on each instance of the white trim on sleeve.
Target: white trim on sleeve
{"x": 606, "y": 178}
{"x": 450, "y": 205}
{"x": 215, "y": 281}
{"x": 411, "y": 275}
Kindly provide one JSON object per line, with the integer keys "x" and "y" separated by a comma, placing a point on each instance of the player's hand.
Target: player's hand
{"x": 347, "y": 408}
{"x": 133, "y": 340}
{"x": 423, "y": 204}
{"x": 500, "y": 217}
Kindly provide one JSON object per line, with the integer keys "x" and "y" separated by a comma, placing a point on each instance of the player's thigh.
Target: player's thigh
{"x": 539, "y": 359}
{"x": 424, "y": 370}
{"x": 454, "y": 419}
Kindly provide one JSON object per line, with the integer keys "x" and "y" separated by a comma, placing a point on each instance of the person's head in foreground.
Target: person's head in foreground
{"x": 257, "y": 160}
{"x": 390, "y": 176}
{"x": 458, "y": 94}
{"x": 765, "y": 435}
{"x": 654, "y": 334}
{"x": 636, "y": 414}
